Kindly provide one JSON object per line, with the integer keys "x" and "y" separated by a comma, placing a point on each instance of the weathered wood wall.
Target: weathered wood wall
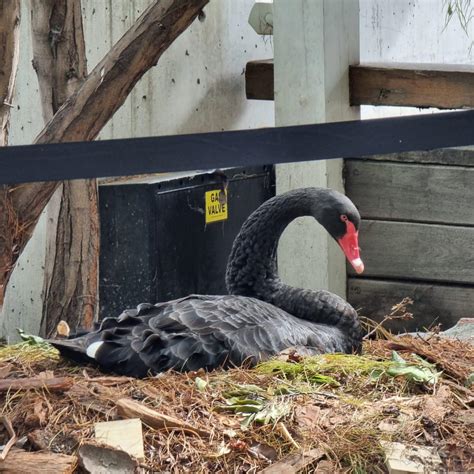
{"x": 417, "y": 235}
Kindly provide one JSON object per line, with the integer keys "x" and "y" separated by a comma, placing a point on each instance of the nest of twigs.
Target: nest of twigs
{"x": 244, "y": 420}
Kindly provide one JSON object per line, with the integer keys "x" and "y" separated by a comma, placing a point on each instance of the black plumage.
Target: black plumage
{"x": 259, "y": 318}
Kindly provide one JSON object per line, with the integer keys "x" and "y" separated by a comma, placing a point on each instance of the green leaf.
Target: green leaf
{"x": 324, "y": 379}
{"x": 201, "y": 384}
{"x": 396, "y": 357}
{"x": 31, "y": 339}
{"x": 376, "y": 374}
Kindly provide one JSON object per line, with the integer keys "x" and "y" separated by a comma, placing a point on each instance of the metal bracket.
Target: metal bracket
{"x": 261, "y": 18}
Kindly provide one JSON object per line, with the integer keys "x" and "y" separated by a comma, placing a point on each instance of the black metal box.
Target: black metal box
{"x": 156, "y": 244}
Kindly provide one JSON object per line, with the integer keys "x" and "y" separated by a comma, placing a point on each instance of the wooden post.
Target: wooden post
{"x": 314, "y": 41}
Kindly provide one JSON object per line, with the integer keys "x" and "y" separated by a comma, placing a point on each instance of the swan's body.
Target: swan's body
{"x": 261, "y": 317}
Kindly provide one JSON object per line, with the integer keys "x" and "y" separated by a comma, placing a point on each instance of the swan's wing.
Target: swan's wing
{"x": 197, "y": 331}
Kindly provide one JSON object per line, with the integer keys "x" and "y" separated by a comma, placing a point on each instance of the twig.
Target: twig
{"x": 286, "y": 434}
{"x": 13, "y": 438}
{"x": 394, "y": 315}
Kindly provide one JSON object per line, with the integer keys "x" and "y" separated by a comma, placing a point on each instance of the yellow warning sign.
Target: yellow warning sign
{"x": 216, "y": 205}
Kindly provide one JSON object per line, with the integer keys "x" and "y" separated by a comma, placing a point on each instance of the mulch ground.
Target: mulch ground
{"x": 338, "y": 408}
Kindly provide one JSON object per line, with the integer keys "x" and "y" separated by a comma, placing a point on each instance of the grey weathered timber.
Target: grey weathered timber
{"x": 461, "y": 156}
{"x": 433, "y": 303}
{"x": 411, "y": 192}
{"x": 413, "y": 251}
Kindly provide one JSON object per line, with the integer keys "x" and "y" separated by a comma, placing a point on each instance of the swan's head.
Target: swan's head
{"x": 341, "y": 219}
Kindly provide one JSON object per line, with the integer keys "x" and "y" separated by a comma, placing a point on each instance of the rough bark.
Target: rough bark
{"x": 9, "y": 53}
{"x": 72, "y": 252}
{"x": 106, "y": 88}
{"x": 72, "y": 258}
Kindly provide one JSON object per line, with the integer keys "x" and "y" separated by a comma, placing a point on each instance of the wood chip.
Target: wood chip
{"x": 131, "y": 409}
{"x": 126, "y": 435}
{"x": 405, "y": 459}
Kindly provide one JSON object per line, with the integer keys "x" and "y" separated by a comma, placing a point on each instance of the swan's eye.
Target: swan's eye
{"x": 344, "y": 218}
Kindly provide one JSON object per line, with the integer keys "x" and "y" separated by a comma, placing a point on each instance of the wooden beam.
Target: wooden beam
{"x": 407, "y": 85}
{"x": 432, "y": 303}
{"x": 259, "y": 80}
{"x": 415, "y": 85}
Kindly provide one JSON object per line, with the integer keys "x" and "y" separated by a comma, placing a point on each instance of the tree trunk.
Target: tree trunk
{"x": 71, "y": 275}
{"x": 9, "y": 53}
{"x": 72, "y": 248}
{"x": 106, "y": 88}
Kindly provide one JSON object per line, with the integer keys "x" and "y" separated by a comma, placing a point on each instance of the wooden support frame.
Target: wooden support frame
{"x": 403, "y": 85}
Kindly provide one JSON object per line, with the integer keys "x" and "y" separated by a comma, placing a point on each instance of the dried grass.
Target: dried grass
{"x": 347, "y": 419}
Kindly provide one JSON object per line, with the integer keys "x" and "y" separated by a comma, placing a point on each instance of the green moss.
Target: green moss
{"x": 28, "y": 352}
{"x": 324, "y": 368}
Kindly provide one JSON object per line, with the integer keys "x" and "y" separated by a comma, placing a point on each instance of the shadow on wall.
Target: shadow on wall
{"x": 219, "y": 109}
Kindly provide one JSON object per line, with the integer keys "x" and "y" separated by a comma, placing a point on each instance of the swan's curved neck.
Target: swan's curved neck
{"x": 252, "y": 267}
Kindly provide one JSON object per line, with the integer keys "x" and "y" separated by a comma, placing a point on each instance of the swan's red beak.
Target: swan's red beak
{"x": 349, "y": 243}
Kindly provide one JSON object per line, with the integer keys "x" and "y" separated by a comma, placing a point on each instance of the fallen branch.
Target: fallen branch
{"x": 53, "y": 384}
{"x": 131, "y": 409}
{"x": 19, "y": 461}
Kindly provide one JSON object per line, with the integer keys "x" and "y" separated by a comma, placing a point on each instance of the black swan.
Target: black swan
{"x": 259, "y": 318}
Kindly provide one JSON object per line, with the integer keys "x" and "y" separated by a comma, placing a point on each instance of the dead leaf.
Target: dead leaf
{"x": 39, "y": 440}
{"x": 435, "y": 407}
{"x": 388, "y": 426}
{"x": 308, "y": 416}
{"x": 295, "y": 462}
{"x": 326, "y": 467}
{"x": 40, "y": 411}
{"x": 263, "y": 451}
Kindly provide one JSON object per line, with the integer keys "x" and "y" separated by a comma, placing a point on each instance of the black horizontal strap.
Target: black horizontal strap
{"x": 265, "y": 146}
